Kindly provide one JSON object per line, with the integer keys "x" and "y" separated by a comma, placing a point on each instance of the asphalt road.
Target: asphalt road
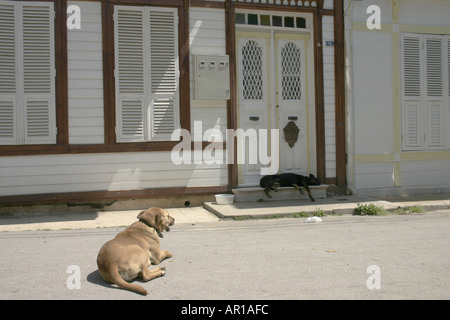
{"x": 347, "y": 257}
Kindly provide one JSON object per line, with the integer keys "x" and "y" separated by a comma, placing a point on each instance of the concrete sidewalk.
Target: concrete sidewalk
{"x": 211, "y": 212}
{"x": 336, "y": 205}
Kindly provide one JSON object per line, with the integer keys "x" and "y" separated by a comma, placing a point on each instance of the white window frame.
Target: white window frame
{"x": 150, "y": 110}
{"x": 27, "y": 87}
{"x": 425, "y": 97}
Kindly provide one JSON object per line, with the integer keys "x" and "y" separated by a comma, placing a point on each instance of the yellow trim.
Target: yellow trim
{"x": 404, "y": 156}
{"x": 289, "y": 36}
{"x": 395, "y": 10}
{"x": 424, "y": 29}
{"x": 397, "y": 112}
{"x": 425, "y": 156}
{"x": 250, "y": 34}
{"x": 397, "y": 174}
{"x": 396, "y": 106}
{"x": 387, "y": 27}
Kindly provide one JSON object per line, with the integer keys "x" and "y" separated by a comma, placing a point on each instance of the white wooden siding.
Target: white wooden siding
{"x": 373, "y": 128}
{"x": 374, "y": 176}
{"x": 207, "y": 36}
{"x": 91, "y": 172}
{"x": 373, "y": 93}
{"x": 431, "y": 173}
{"x": 424, "y": 12}
{"x": 85, "y": 76}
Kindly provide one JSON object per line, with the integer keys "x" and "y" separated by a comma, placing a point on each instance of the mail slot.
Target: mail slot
{"x": 253, "y": 118}
{"x": 293, "y": 118}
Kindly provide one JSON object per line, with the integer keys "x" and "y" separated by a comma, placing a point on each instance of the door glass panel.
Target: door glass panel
{"x": 252, "y": 81}
{"x": 291, "y": 72}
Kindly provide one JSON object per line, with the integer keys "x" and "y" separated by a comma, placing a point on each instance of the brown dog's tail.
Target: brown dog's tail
{"x": 117, "y": 279}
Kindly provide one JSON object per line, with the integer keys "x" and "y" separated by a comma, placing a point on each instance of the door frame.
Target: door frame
{"x": 317, "y": 40}
{"x": 274, "y": 35}
{"x": 271, "y": 107}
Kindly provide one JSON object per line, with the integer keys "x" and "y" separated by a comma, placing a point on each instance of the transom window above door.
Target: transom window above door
{"x": 277, "y": 20}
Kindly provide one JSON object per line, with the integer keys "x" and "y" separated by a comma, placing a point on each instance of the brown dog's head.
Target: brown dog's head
{"x": 157, "y": 218}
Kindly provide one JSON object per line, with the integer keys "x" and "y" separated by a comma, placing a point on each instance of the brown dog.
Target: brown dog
{"x": 130, "y": 253}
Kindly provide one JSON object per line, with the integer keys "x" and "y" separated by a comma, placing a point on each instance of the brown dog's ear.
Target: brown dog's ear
{"x": 151, "y": 217}
{"x": 140, "y": 214}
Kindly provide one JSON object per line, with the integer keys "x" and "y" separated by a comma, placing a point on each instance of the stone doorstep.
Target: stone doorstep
{"x": 254, "y": 194}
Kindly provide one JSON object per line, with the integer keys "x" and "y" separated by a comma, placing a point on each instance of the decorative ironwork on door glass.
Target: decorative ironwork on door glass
{"x": 291, "y": 72}
{"x": 252, "y": 73}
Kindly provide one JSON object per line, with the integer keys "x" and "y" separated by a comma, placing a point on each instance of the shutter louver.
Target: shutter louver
{"x": 7, "y": 121}
{"x": 435, "y": 87}
{"x": 164, "y": 72}
{"x": 132, "y": 113}
{"x": 448, "y": 66}
{"x": 7, "y": 75}
{"x": 435, "y": 136}
{"x": 37, "y": 38}
{"x": 38, "y": 74}
{"x": 7, "y": 50}
{"x": 38, "y": 119}
{"x": 433, "y": 51}
{"x": 130, "y": 76}
{"x": 412, "y": 136}
{"x": 411, "y": 66}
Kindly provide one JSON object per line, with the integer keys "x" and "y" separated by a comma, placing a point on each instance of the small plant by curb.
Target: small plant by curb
{"x": 369, "y": 209}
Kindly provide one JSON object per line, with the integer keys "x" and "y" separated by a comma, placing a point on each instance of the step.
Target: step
{"x": 253, "y": 194}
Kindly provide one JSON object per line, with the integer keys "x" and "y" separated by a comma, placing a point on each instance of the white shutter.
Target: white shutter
{"x": 130, "y": 73}
{"x": 411, "y": 58}
{"x": 412, "y": 128}
{"x": 435, "y": 124}
{"x": 27, "y": 73}
{"x": 7, "y": 75}
{"x": 434, "y": 65}
{"x": 164, "y": 72}
{"x": 434, "y": 75}
{"x": 411, "y": 101}
{"x": 38, "y": 73}
{"x": 448, "y": 68}
{"x": 147, "y": 73}
{"x": 7, "y": 50}
{"x": 7, "y": 122}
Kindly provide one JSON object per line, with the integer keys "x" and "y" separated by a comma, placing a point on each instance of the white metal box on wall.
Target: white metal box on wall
{"x": 212, "y": 77}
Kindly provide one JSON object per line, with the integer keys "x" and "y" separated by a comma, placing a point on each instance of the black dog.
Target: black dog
{"x": 272, "y": 182}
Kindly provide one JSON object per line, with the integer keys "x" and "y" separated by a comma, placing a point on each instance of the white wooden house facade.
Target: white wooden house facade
{"x": 398, "y": 107}
{"x": 87, "y": 112}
